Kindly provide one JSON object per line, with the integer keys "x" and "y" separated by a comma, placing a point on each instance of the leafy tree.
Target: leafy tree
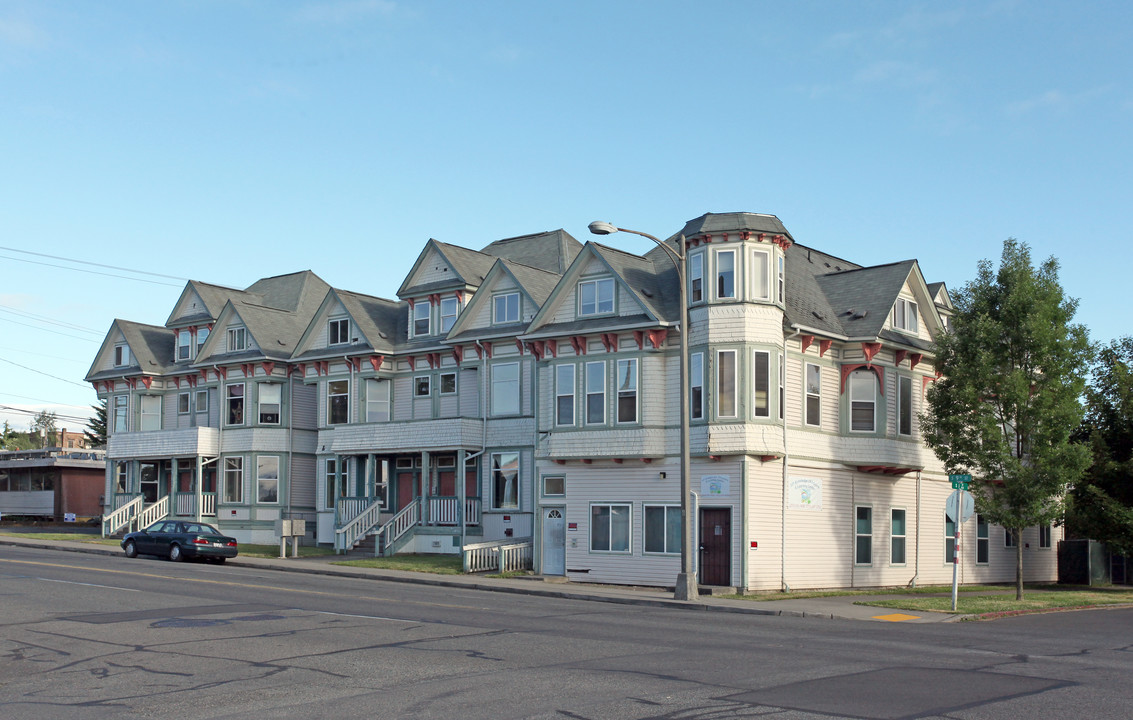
{"x": 44, "y": 424}
{"x": 7, "y": 437}
{"x": 1101, "y": 504}
{"x": 1013, "y": 369}
{"x": 95, "y": 432}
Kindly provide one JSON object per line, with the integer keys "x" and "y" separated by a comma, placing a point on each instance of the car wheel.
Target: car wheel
{"x": 175, "y": 553}
{"x": 131, "y": 549}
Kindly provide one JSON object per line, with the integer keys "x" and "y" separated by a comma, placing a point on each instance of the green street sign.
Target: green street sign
{"x": 960, "y": 481}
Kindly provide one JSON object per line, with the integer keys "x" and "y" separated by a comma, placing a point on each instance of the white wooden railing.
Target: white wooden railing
{"x": 399, "y": 524}
{"x": 361, "y": 523}
{"x": 348, "y": 508}
{"x": 499, "y": 555}
{"x": 443, "y": 511}
{"x": 153, "y": 513}
{"x": 186, "y": 504}
{"x": 121, "y": 517}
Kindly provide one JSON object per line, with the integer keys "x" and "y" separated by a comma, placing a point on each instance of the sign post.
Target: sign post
{"x": 959, "y": 508}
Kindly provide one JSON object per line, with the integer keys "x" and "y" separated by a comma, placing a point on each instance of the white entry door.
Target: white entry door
{"x": 554, "y": 542}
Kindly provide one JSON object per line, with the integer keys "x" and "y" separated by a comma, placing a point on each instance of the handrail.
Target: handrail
{"x": 502, "y": 555}
{"x": 121, "y": 517}
{"x": 359, "y": 525}
{"x": 153, "y": 513}
{"x": 400, "y": 524}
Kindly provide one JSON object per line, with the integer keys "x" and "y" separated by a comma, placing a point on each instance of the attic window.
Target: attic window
{"x": 121, "y": 355}
{"x": 338, "y": 332}
{"x": 237, "y": 339}
{"x": 596, "y": 296}
{"x": 905, "y": 315}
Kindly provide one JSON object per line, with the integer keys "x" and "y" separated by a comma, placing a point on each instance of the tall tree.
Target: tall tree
{"x": 44, "y": 424}
{"x": 1101, "y": 504}
{"x": 95, "y": 432}
{"x": 1013, "y": 367}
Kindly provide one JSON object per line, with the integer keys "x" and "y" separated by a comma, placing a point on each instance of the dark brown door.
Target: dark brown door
{"x": 715, "y": 546}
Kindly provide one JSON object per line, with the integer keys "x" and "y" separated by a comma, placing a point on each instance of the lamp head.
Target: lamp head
{"x": 602, "y": 228}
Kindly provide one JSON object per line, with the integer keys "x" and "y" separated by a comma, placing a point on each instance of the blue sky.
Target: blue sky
{"x": 228, "y": 141}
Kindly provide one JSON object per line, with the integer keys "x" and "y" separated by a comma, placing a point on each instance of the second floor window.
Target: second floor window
{"x": 235, "y": 402}
{"x": 151, "y": 412}
{"x": 338, "y": 393}
{"x": 237, "y": 339}
{"x": 813, "y": 395}
{"x": 449, "y": 308}
{"x": 696, "y": 386}
{"x": 505, "y": 389}
{"x": 762, "y": 384}
{"x": 271, "y": 397}
{"x": 726, "y": 274}
{"x": 596, "y": 296}
{"x": 595, "y": 393}
{"x": 184, "y": 344}
{"x": 863, "y": 401}
{"x": 564, "y": 395}
{"x": 338, "y": 332}
{"x": 505, "y": 308}
{"x": 726, "y": 383}
{"x": 121, "y": 413}
{"x": 421, "y": 318}
{"x": 760, "y": 275}
{"x": 183, "y": 405}
{"x": 627, "y": 390}
{"x": 696, "y": 277}
{"x": 904, "y": 406}
{"x": 377, "y": 400}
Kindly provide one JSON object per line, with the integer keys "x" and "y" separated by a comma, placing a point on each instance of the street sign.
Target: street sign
{"x": 960, "y": 503}
{"x": 960, "y": 481}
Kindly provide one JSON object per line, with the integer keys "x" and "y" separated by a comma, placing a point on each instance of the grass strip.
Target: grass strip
{"x": 272, "y": 551}
{"x": 436, "y": 564}
{"x": 804, "y": 594}
{"x": 1035, "y": 600}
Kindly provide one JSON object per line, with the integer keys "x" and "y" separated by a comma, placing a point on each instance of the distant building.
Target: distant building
{"x": 52, "y": 483}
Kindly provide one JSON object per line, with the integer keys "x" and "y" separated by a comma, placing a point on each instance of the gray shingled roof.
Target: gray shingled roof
{"x": 538, "y": 284}
{"x": 469, "y": 268}
{"x": 861, "y": 299}
{"x": 151, "y": 346}
{"x": 643, "y": 277}
{"x": 214, "y": 297}
{"x": 552, "y": 251}
{"x": 282, "y": 310}
{"x": 377, "y": 318}
{"x": 734, "y": 222}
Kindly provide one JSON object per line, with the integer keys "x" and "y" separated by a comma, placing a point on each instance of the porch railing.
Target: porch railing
{"x": 126, "y": 511}
{"x": 500, "y": 555}
{"x": 443, "y": 511}
{"x": 186, "y": 504}
{"x": 399, "y": 524}
{"x": 360, "y": 523}
{"x": 348, "y": 508}
{"x": 153, "y": 513}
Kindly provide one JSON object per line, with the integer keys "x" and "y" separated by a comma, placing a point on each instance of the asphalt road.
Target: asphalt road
{"x": 85, "y": 636}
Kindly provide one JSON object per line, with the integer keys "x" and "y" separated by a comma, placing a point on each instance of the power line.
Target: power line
{"x": 44, "y": 318}
{"x": 54, "y": 377}
{"x": 46, "y": 355}
{"x": 88, "y": 262}
{"x": 9, "y": 408}
{"x": 36, "y": 327}
{"x": 51, "y": 402}
{"x": 92, "y": 272}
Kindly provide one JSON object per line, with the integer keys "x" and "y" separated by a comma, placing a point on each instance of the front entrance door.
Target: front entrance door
{"x": 554, "y": 542}
{"x": 715, "y": 546}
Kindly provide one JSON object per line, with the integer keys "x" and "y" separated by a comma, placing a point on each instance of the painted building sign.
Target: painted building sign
{"x": 804, "y": 494}
{"x": 715, "y": 486}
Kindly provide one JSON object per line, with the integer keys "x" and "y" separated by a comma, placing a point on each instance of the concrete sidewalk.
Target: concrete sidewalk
{"x": 839, "y": 607}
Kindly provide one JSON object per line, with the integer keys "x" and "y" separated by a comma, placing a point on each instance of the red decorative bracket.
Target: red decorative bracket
{"x": 376, "y": 362}
{"x": 823, "y": 346}
{"x": 657, "y": 336}
{"x": 537, "y": 348}
{"x": 806, "y": 341}
{"x": 147, "y": 381}
{"x": 553, "y": 348}
{"x": 877, "y": 370}
{"x": 412, "y": 362}
{"x": 899, "y": 355}
{"x": 519, "y": 345}
{"x": 915, "y": 360}
{"x": 269, "y": 367}
{"x": 870, "y": 349}
{"x": 487, "y": 348}
{"x": 578, "y": 342}
{"x": 610, "y": 342}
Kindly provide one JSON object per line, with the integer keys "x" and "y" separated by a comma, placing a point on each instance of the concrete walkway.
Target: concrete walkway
{"x": 840, "y": 607}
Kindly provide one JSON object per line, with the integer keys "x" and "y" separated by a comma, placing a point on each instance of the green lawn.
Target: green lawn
{"x": 272, "y": 551}
{"x": 73, "y": 537}
{"x": 979, "y": 604}
{"x": 437, "y": 564}
{"x": 803, "y": 594}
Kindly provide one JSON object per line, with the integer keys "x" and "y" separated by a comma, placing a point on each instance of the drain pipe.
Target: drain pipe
{"x": 784, "y": 587}
{"x": 917, "y": 541}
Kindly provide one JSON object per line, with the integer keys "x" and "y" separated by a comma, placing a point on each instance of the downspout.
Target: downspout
{"x": 221, "y": 407}
{"x": 291, "y": 442}
{"x": 917, "y": 540}
{"x": 786, "y": 463}
{"x": 351, "y": 412}
{"x": 480, "y": 397}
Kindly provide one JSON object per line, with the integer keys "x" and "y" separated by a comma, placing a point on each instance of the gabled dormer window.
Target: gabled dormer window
{"x": 421, "y": 318}
{"x": 505, "y": 308}
{"x": 596, "y": 297}
{"x": 905, "y": 315}
{"x": 449, "y": 309}
{"x": 338, "y": 332}
{"x": 237, "y": 339}
{"x": 121, "y": 355}
{"x": 184, "y": 344}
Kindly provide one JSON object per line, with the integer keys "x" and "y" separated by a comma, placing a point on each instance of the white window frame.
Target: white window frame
{"x": 782, "y": 385}
{"x": 594, "y": 371}
{"x": 696, "y": 277}
{"x": 760, "y": 272}
{"x": 149, "y": 418}
{"x": 260, "y": 403}
{"x": 597, "y": 286}
{"x": 671, "y": 515}
{"x": 904, "y": 406}
{"x": 441, "y": 383}
{"x": 121, "y": 477}
{"x": 184, "y": 403}
{"x": 816, "y": 396}
{"x": 233, "y": 471}
{"x": 719, "y": 275}
{"x": 377, "y": 406}
{"x": 609, "y": 548}
{"x": 422, "y": 386}
{"x": 504, "y": 403}
{"x": 905, "y": 316}
{"x": 202, "y": 335}
{"x": 1010, "y": 539}
{"x": 264, "y": 463}
{"x": 230, "y": 398}
{"x": 547, "y": 492}
{"x": 237, "y": 339}
{"x": 565, "y": 386}
{"x": 863, "y": 392}
{"x": 421, "y": 315}
{"x": 121, "y": 413}
{"x": 1045, "y": 534}
{"x": 696, "y": 387}
{"x": 201, "y": 401}
{"x": 504, "y": 500}
{"x": 894, "y": 536}
{"x": 448, "y": 310}
{"x": 860, "y": 536}
{"x": 983, "y": 540}
{"x": 184, "y": 345}
{"x": 338, "y": 331}
{"x": 782, "y": 273}
{"x": 722, "y": 394}
{"x": 761, "y": 404}
{"x": 331, "y": 396}
{"x": 505, "y": 308}
{"x": 627, "y": 390}
{"x": 330, "y": 481}
{"x": 121, "y": 355}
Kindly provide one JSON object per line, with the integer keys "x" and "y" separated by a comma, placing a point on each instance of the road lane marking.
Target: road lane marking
{"x": 72, "y": 582}
{"x": 367, "y": 617}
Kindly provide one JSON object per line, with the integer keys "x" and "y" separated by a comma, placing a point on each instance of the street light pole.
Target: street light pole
{"x": 686, "y": 586}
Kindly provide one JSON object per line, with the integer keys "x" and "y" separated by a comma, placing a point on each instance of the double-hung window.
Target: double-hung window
{"x": 201, "y": 401}
{"x": 1010, "y": 538}
{"x": 595, "y": 393}
{"x": 377, "y": 400}
{"x": 663, "y": 529}
{"x": 237, "y": 339}
{"x": 505, "y": 389}
{"x": 184, "y": 344}
{"x": 1044, "y": 537}
{"x": 505, "y": 480}
{"x": 183, "y": 405}
{"x": 233, "y": 480}
{"x": 782, "y": 284}
{"x": 627, "y": 390}
{"x": 505, "y": 308}
{"x": 760, "y": 275}
{"x": 609, "y": 528}
{"x": 202, "y": 335}
{"x": 696, "y": 277}
{"x": 449, "y": 308}
{"x": 983, "y": 540}
{"x": 121, "y": 355}
{"x": 813, "y": 395}
{"x": 331, "y": 483}
{"x": 267, "y": 478}
{"x": 421, "y": 310}
{"x": 121, "y": 413}
{"x": 725, "y": 274}
{"x": 782, "y": 384}
{"x": 270, "y": 399}
{"x": 423, "y": 386}
{"x": 338, "y": 402}
{"x": 338, "y": 332}
{"x": 897, "y": 537}
{"x": 448, "y": 383}
{"x": 696, "y": 386}
{"x": 762, "y": 384}
{"x": 904, "y": 405}
{"x": 234, "y": 395}
{"x": 863, "y": 536}
{"x": 151, "y": 412}
{"x": 905, "y": 315}
{"x": 726, "y": 383}
{"x": 596, "y": 297}
{"x": 564, "y": 395}
{"x": 863, "y": 401}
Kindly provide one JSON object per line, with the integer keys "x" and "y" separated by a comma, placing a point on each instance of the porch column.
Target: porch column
{"x": 426, "y": 483}
{"x": 337, "y": 488}
{"x": 198, "y": 487}
{"x": 174, "y": 483}
{"x": 461, "y": 494}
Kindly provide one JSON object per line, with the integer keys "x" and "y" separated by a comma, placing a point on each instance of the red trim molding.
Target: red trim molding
{"x": 878, "y": 370}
